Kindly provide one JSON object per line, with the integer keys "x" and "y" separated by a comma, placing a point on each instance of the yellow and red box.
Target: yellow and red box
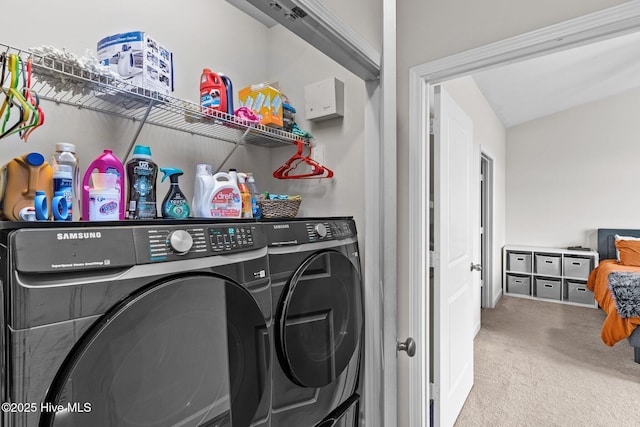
{"x": 265, "y": 100}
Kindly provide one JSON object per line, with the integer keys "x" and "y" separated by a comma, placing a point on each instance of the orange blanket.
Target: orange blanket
{"x": 614, "y": 328}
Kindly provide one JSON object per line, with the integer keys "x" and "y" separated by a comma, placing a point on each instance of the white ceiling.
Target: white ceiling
{"x": 549, "y": 84}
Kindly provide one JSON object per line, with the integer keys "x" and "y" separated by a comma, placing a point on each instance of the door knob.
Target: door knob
{"x": 476, "y": 267}
{"x": 409, "y": 346}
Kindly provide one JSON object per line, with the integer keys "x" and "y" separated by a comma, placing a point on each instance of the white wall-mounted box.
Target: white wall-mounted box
{"x": 324, "y": 99}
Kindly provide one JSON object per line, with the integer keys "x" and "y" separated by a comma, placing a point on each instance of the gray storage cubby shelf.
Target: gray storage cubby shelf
{"x": 549, "y": 274}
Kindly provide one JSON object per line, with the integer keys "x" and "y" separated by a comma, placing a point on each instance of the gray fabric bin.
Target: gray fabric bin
{"x": 577, "y": 267}
{"x": 548, "y": 288}
{"x": 518, "y": 284}
{"x": 578, "y": 292}
{"x": 518, "y": 261}
{"x": 548, "y": 264}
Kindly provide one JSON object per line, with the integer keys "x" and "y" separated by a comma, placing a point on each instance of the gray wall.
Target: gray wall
{"x": 202, "y": 33}
{"x": 573, "y": 172}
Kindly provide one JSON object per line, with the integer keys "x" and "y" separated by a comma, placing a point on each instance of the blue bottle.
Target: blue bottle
{"x": 175, "y": 204}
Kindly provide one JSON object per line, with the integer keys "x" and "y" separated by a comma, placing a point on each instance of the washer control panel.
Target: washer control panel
{"x": 172, "y": 243}
{"x": 225, "y": 239}
{"x": 169, "y": 243}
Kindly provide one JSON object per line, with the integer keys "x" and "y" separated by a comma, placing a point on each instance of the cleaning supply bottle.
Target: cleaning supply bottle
{"x": 104, "y": 197}
{"x": 202, "y": 188}
{"x": 255, "y": 196}
{"x": 229, "y": 90}
{"x": 106, "y": 163}
{"x": 245, "y": 196}
{"x": 213, "y": 93}
{"x": 63, "y": 183}
{"x": 224, "y": 200}
{"x": 141, "y": 192}
{"x": 65, "y": 154}
{"x": 24, "y": 176}
{"x": 175, "y": 203}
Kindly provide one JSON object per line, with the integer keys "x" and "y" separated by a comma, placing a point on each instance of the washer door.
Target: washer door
{"x": 320, "y": 318}
{"x": 191, "y": 351}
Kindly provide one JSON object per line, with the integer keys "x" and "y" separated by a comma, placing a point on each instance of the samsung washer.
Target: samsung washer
{"x": 318, "y": 325}
{"x": 156, "y": 324}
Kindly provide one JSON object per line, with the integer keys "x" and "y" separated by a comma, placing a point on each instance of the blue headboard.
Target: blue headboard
{"x": 607, "y": 241}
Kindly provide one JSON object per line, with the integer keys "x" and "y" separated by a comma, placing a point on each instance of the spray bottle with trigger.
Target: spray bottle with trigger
{"x": 175, "y": 204}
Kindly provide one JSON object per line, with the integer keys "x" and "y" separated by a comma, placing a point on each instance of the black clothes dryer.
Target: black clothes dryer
{"x": 152, "y": 324}
{"x": 318, "y": 325}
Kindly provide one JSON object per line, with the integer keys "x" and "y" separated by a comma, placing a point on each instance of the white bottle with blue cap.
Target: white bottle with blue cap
{"x": 66, "y": 170}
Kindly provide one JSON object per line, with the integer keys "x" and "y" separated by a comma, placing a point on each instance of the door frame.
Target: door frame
{"x": 601, "y": 25}
{"x": 486, "y": 245}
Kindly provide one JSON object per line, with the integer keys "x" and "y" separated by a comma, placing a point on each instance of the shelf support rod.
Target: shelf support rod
{"x": 239, "y": 142}
{"x": 142, "y": 122}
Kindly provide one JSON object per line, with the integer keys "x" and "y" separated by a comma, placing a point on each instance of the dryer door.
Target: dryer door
{"x": 320, "y": 318}
{"x": 192, "y": 351}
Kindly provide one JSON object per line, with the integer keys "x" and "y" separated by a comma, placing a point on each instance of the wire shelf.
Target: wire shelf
{"x": 66, "y": 82}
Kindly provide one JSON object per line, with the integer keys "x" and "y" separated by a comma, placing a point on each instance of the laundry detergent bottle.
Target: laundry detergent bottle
{"x": 23, "y": 178}
{"x": 202, "y": 188}
{"x": 224, "y": 200}
{"x": 107, "y": 163}
{"x": 175, "y": 203}
{"x": 213, "y": 93}
{"x": 141, "y": 192}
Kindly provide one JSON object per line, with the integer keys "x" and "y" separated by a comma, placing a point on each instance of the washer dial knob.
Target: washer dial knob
{"x": 180, "y": 241}
{"x": 321, "y": 230}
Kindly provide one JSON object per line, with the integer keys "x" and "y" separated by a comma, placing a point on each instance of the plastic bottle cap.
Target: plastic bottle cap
{"x": 65, "y": 146}
{"x": 142, "y": 151}
{"x": 35, "y": 159}
{"x": 203, "y": 169}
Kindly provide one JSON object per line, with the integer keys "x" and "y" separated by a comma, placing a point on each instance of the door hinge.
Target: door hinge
{"x": 434, "y": 126}
{"x": 432, "y": 257}
{"x": 434, "y": 391}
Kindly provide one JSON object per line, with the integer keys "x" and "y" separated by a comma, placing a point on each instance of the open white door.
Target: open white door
{"x": 456, "y": 210}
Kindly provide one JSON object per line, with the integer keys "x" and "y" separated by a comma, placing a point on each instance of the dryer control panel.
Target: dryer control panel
{"x": 299, "y": 232}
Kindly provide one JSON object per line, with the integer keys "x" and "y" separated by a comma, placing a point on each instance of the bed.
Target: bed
{"x": 616, "y": 287}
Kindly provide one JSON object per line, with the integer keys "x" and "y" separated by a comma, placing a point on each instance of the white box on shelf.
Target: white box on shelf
{"x": 324, "y": 99}
{"x": 139, "y": 60}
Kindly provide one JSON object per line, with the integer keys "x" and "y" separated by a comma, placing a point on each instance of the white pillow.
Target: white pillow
{"x": 618, "y": 237}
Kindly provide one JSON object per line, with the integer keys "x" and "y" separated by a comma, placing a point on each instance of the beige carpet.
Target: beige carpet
{"x": 543, "y": 364}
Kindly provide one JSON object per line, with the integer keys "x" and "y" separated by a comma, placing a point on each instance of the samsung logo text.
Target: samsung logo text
{"x": 79, "y": 236}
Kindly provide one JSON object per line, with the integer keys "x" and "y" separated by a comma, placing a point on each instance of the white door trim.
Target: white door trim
{"x": 489, "y": 284}
{"x": 380, "y": 274}
{"x": 608, "y": 23}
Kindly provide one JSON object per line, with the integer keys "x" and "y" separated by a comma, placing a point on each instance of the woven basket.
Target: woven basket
{"x": 279, "y": 208}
